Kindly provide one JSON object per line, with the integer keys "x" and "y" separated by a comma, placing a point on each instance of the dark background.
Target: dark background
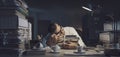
{"x": 71, "y": 13}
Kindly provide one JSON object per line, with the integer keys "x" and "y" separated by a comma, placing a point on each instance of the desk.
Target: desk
{"x": 61, "y": 54}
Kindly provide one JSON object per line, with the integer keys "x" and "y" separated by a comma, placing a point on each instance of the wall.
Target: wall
{"x": 65, "y": 17}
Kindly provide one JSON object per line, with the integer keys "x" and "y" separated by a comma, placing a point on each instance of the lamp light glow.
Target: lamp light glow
{"x": 86, "y": 8}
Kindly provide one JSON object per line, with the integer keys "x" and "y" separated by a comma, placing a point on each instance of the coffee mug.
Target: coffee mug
{"x": 80, "y": 48}
{"x": 56, "y": 48}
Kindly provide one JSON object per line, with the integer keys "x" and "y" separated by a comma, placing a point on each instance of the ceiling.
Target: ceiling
{"x": 108, "y": 4}
{"x": 71, "y": 9}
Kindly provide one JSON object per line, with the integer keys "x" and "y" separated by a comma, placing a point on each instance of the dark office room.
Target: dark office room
{"x": 59, "y": 28}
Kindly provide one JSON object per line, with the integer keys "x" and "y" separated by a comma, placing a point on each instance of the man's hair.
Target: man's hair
{"x": 52, "y": 27}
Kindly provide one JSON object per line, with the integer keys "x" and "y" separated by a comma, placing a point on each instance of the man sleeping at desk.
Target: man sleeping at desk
{"x": 65, "y": 37}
